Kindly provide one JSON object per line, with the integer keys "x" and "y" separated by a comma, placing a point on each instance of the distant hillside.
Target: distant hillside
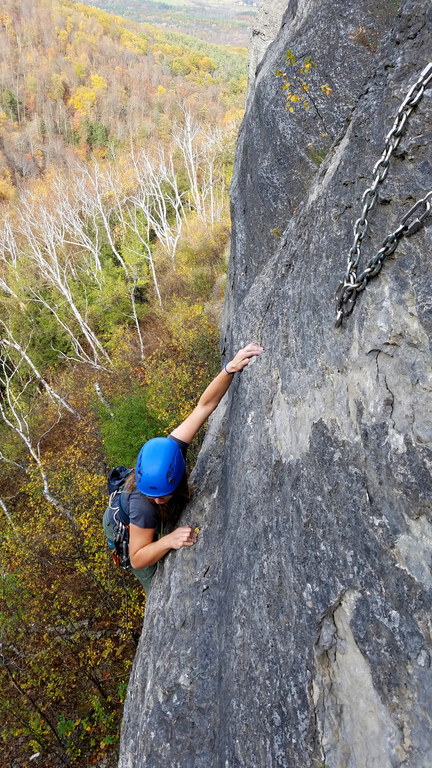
{"x": 77, "y": 80}
{"x": 227, "y": 22}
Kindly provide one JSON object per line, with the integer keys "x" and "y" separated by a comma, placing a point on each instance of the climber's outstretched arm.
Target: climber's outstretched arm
{"x": 214, "y": 393}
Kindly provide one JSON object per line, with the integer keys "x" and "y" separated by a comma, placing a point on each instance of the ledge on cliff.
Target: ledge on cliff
{"x": 296, "y": 633}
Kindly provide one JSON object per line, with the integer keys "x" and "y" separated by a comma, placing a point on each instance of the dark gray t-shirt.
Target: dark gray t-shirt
{"x": 141, "y": 511}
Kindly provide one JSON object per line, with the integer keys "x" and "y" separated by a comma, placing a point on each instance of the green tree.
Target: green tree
{"x": 11, "y": 104}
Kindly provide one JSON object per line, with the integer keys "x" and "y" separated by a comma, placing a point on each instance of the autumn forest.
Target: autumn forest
{"x": 116, "y": 153}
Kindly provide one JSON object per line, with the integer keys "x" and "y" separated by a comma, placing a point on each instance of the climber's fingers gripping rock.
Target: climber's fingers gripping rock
{"x": 182, "y": 537}
{"x": 243, "y": 356}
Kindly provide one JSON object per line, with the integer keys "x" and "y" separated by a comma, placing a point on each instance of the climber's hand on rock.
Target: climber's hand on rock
{"x": 243, "y": 356}
{"x": 182, "y": 537}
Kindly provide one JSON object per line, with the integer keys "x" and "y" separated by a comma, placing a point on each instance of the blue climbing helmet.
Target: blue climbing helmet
{"x": 160, "y": 467}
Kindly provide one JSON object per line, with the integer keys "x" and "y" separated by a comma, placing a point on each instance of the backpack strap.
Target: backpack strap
{"x": 123, "y": 515}
{"x": 115, "y": 503}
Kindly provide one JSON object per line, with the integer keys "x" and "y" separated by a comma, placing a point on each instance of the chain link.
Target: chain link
{"x": 354, "y": 283}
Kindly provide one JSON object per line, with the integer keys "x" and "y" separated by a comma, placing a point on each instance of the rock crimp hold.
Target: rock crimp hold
{"x": 297, "y": 631}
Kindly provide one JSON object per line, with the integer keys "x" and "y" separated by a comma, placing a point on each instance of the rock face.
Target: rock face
{"x": 264, "y": 30}
{"x": 297, "y": 632}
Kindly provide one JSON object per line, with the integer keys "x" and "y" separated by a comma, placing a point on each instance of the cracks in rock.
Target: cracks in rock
{"x": 325, "y": 699}
{"x": 367, "y": 491}
{"x": 346, "y": 207}
{"x": 413, "y": 35}
{"x": 260, "y": 325}
{"x": 392, "y": 399}
{"x": 353, "y": 724}
{"x": 205, "y": 585}
{"x": 402, "y": 403}
{"x": 317, "y": 746}
{"x": 389, "y": 400}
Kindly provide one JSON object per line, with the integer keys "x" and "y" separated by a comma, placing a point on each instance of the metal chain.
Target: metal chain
{"x": 353, "y": 284}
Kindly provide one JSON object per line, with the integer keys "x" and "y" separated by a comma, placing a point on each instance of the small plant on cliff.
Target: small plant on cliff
{"x": 364, "y": 36}
{"x": 299, "y": 84}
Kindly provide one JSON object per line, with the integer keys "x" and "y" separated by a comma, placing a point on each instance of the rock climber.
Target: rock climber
{"x": 157, "y": 491}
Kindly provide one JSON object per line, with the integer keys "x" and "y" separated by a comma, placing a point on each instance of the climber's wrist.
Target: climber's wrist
{"x": 227, "y": 367}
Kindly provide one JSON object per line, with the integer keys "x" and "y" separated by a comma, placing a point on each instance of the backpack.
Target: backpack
{"x": 116, "y": 480}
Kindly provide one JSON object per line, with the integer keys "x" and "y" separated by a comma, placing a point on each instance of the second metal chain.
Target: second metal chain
{"x": 353, "y": 283}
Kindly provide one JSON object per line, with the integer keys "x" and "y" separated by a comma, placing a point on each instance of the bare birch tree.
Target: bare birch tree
{"x": 157, "y": 197}
{"x": 106, "y": 204}
{"x": 42, "y": 235}
{"x": 81, "y": 225}
{"x": 7, "y": 514}
{"x": 9, "y": 342}
{"x": 213, "y": 181}
{"x": 185, "y": 137}
{"x": 15, "y": 413}
{"x": 200, "y": 148}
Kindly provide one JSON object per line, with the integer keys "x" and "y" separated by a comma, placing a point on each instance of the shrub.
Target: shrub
{"x": 132, "y": 423}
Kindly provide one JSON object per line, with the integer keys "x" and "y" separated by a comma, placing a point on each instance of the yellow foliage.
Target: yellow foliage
{"x": 31, "y": 83}
{"x": 58, "y": 86}
{"x": 133, "y": 42}
{"x": 83, "y": 100}
{"x": 233, "y": 115}
{"x": 207, "y": 64}
{"x": 297, "y": 84}
{"x": 202, "y": 246}
{"x": 178, "y": 372}
{"x": 7, "y": 190}
{"x": 80, "y": 69}
{"x": 6, "y": 21}
{"x": 98, "y": 83}
{"x": 63, "y": 36}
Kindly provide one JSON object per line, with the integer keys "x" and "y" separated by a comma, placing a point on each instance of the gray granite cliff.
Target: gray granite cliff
{"x": 297, "y": 632}
{"x": 265, "y": 28}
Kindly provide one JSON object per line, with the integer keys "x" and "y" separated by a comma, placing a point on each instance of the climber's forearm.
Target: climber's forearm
{"x": 207, "y": 403}
{"x": 151, "y": 553}
{"x": 215, "y": 391}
